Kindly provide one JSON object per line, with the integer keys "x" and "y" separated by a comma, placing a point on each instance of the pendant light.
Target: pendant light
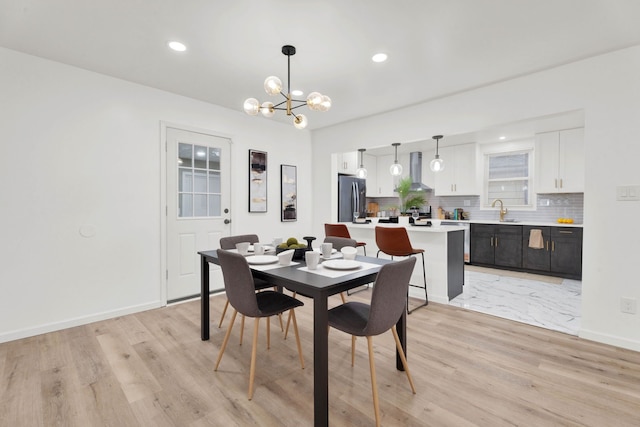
{"x": 396, "y": 168}
{"x": 361, "y": 172}
{"x": 437, "y": 164}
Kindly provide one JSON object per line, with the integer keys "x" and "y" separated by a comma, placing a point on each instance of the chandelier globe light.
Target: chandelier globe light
{"x": 361, "y": 172}
{"x": 273, "y": 86}
{"x": 396, "y": 168}
{"x": 437, "y": 164}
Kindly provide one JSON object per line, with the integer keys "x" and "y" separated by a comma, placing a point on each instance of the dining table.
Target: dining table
{"x": 319, "y": 285}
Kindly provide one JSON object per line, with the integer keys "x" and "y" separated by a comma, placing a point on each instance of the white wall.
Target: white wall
{"x": 608, "y": 89}
{"x": 79, "y": 148}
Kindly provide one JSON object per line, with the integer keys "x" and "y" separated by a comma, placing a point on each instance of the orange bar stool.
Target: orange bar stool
{"x": 394, "y": 241}
{"x": 341, "y": 230}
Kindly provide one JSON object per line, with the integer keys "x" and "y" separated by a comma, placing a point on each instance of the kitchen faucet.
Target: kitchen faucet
{"x": 503, "y": 210}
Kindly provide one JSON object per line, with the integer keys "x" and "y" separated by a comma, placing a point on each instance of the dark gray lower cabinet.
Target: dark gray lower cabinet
{"x": 536, "y": 259}
{"x": 507, "y": 246}
{"x": 566, "y": 251}
{"x": 499, "y": 245}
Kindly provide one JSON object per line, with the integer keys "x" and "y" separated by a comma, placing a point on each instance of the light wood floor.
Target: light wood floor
{"x": 470, "y": 369}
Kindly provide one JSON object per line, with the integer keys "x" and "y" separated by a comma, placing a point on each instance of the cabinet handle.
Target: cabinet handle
{"x": 565, "y": 232}
{"x": 553, "y": 246}
{"x": 547, "y": 246}
{"x": 560, "y": 182}
{"x": 455, "y": 187}
{"x": 555, "y": 183}
{"x": 491, "y": 241}
{"x": 496, "y": 241}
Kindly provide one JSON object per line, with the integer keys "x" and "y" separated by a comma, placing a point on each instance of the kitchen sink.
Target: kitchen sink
{"x": 510, "y": 220}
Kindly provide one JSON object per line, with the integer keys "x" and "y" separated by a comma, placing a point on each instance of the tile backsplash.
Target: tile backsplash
{"x": 550, "y": 207}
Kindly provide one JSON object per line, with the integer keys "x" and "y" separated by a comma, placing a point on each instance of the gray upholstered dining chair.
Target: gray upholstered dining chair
{"x": 230, "y": 242}
{"x": 238, "y": 282}
{"x": 388, "y": 302}
{"x": 338, "y": 243}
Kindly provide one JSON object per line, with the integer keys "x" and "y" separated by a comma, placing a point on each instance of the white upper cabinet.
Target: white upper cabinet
{"x": 560, "y": 161}
{"x": 348, "y": 162}
{"x": 371, "y": 166}
{"x": 428, "y": 176}
{"x": 459, "y": 175}
{"x": 385, "y": 182}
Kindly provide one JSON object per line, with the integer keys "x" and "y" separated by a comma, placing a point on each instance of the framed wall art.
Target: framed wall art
{"x": 257, "y": 181}
{"x": 288, "y": 193}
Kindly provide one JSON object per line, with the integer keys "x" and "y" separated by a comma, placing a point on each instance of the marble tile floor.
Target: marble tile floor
{"x": 549, "y": 302}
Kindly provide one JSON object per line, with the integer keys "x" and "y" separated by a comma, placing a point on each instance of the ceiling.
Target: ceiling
{"x": 435, "y": 47}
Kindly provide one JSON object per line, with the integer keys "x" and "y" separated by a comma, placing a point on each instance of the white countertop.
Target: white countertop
{"x": 441, "y": 229}
{"x": 490, "y": 221}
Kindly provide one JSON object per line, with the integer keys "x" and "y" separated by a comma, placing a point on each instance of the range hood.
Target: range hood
{"x": 415, "y": 171}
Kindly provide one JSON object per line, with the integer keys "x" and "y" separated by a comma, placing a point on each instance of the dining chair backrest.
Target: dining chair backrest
{"x": 337, "y": 230}
{"x": 230, "y": 241}
{"x": 238, "y": 283}
{"x": 389, "y": 296}
{"x": 340, "y": 242}
{"x": 393, "y": 241}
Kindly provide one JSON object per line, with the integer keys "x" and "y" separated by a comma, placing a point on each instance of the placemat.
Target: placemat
{"x": 264, "y": 267}
{"x": 323, "y": 271}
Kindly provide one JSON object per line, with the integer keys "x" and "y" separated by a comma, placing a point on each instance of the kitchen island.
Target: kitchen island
{"x": 443, "y": 255}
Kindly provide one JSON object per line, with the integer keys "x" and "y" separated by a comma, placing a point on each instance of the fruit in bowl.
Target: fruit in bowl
{"x": 565, "y": 220}
{"x": 292, "y": 243}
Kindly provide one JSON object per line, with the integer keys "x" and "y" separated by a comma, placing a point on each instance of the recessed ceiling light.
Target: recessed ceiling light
{"x": 297, "y": 92}
{"x": 502, "y": 138}
{"x": 177, "y": 46}
{"x": 379, "y": 57}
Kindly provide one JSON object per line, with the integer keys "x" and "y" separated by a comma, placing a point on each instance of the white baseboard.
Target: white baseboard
{"x": 78, "y": 321}
{"x": 609, "y": 339}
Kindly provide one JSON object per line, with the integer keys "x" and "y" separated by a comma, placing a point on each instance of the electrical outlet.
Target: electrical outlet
{"x": 628, "y": 305}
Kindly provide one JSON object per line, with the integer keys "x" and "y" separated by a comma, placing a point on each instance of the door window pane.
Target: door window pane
{"x": 200, "y": 158}
{"x": 215, "y": 205}
{"x": 199, "y": 181}
{"x": 200, "y": 205}
{"x": 185, "y": 155}
{"x": 185, "y": 204}
{"x": 214, "y": 182}
{"x": 185, "y": 177}
{"x": 214, "y": 158}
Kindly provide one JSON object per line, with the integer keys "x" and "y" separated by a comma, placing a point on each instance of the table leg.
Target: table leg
{"x": 320, "y": 362}
{"x": 204, "y": 299}
{"x": 401, "y": 328}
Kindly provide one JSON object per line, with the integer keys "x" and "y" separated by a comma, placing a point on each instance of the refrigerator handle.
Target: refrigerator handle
{"x": 353, "y": 197}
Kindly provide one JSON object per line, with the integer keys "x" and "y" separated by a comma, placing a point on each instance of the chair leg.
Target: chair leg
{"x": 374, "y": 387}
{"x": 226, "y": 339}
{"x": 295, "y": 329}
{"x": 242, "y": 329}
{"x": 344, "y": 300}
{"x": 224, "y": 313}
{"x": 353, "y": 350}
{"x": 268, "y": 333}
{"x": 286, "y": 331}
{"x": 275, "y": 288}
{"x": 402, "y": 357}
{"x": 426, "y": 297}
{"x": 254, "y": 352}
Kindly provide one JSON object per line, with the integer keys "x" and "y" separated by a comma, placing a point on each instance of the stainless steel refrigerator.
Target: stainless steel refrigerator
{"x": 352, "y": 197}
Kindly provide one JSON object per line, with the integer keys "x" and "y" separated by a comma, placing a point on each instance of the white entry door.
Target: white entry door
{"x": 198, "y": 202}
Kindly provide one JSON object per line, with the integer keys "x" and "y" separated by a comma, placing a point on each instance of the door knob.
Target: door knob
{"x": 227, "y": 221}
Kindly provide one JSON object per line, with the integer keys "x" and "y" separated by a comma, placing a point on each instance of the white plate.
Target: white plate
{"x": 342, "y": 264}
{"x": 262, "y": 259}
{"x": 267, "y": 248}
{"x": 333, "y": 251}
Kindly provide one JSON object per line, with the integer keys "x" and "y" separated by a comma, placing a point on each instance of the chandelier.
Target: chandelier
{"x": 273, "y": 86}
